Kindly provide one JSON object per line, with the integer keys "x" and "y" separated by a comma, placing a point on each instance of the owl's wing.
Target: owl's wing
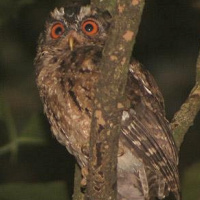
{"x": 146, "y": 128}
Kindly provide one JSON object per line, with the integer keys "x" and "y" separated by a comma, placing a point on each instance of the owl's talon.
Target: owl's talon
{"x": 83, "y": 182}
{"x": 120, "y": 152}
{"x": 84, "y": 172}
{"x": 85, "y": 149}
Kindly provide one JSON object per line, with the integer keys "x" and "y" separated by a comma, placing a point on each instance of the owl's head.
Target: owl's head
{"x": 75, "y": 26}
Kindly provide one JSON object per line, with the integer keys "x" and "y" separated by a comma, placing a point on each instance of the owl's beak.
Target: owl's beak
{"x": 71, "y": 43}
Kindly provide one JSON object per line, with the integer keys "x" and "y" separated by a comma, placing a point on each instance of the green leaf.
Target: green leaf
{"x": 34, "y": 129}
{"x": 33, "y": 132}
{"x": 38, "y": 191}
{"x": 7, "y": 118}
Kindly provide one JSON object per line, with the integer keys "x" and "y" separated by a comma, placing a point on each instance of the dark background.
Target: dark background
{"x": 32, "y": 164}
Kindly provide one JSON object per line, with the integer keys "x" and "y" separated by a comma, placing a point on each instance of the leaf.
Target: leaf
{"x": 32, "y": 133}
{"x": 34, "y": 129}
{"x": 7, "y": 118}
{"x": 37, "y": 191}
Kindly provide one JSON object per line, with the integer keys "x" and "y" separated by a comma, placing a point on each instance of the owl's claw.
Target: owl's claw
{"x": 84, "y": 172}
{"x": 120, "y": 152}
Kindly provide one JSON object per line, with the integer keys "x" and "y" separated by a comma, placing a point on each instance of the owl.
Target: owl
{"x": 67, "y": 71}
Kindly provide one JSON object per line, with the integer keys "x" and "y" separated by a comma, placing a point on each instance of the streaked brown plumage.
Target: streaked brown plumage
{"x": 67, "y": 71}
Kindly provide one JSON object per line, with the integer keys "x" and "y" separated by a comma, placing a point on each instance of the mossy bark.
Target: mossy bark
{"x": 108, "y": 103}
{"x": 185, "y": 117}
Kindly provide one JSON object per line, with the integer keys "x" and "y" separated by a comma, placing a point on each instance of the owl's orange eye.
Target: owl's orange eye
{"x": 57, "y": 30}
{"x": 90, "y": 27}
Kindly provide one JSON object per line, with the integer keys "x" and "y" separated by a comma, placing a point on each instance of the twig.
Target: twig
{"x": 105, "y": 5}
{"x": 184, "y": 118}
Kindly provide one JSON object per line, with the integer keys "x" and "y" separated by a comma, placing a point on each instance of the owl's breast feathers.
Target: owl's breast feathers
{"x": 147, "y": 167}
{"x": 66, "y": 84}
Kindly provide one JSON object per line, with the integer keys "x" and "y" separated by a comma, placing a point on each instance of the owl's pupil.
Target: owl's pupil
{"x": 89, "y": 27}
{"x": 58, "y": 31}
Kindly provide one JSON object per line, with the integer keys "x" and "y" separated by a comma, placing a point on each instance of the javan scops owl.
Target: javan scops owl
{"x": 67, "y": 70}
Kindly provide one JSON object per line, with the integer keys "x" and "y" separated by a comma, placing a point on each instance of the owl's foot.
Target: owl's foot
{"x": 120, "y": 151}
{"x": 84, "y": 172}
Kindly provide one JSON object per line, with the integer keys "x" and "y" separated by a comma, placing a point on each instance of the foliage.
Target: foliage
{"x": 31, "y": 133}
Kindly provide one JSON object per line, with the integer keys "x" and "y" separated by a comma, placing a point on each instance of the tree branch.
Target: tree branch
{"x": 105, "y": 5}
{"x": 184, "y": 118}
{"x": 108, "y": 104}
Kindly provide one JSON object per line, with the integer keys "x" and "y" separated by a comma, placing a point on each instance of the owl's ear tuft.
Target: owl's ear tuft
{"x": 85, "y": 11}
{"x": 58, "y": 13}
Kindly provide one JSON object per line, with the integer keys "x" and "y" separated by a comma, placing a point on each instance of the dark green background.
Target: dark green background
{"x": 32, "y": 164}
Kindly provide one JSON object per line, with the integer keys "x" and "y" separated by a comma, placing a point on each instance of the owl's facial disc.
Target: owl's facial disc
{"x": 77, "y": 26}
{"x": 89, "y": 27}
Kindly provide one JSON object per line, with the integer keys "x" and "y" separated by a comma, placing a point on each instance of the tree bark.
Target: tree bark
{"x": 109, "y": 103}
{"x": 185, "y": 117}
